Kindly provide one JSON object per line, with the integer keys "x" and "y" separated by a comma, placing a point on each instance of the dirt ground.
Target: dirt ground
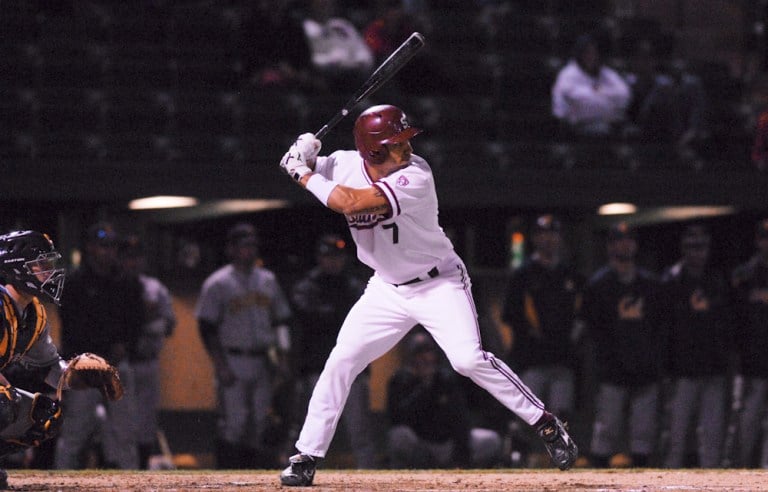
{"x": 645, "y": 480}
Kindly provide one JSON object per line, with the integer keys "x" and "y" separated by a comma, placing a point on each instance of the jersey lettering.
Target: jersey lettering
{"x": 699, "y": 301}
{"x": 250, "y": 299}
{"x": 631, "y": 308}
{"x": 364, "y": 221}
{"x": 395, "y": 232}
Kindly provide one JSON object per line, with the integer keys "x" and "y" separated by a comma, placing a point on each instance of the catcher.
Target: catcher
{"x": 30, "y": 270}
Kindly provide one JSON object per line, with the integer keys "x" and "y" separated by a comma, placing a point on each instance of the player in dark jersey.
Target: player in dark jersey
{"x": 624, "y": 313}
{"x": 699, "y": 351}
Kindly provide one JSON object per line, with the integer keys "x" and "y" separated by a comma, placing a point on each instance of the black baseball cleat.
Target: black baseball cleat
{"x": 561, "y": 448}
{"x": 300, "y": 472}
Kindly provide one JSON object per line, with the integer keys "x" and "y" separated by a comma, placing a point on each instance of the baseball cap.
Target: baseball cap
{"x": 621, "y": 230}
{"x": 102, "y": 233}
{"x": 241, "y": 234}
{"x": 547, "y": 222}
{"x": 761, "y": 231}
{"x": 331, "y": 244}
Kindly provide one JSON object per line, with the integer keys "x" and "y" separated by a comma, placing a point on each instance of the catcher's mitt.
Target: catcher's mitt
{"x": 89, "y": 370}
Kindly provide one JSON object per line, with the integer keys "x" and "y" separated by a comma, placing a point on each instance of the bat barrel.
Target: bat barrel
{"x": 379, "y": 77}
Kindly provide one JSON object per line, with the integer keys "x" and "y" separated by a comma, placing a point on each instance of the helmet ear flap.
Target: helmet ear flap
{"x": 377, "y": 154}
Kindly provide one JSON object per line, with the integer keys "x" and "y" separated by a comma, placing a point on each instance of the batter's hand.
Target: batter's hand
{"x": 294, "y": 163}
{"x": 309, "y": 146}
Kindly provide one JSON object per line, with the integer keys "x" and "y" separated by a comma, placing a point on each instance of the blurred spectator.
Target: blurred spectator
{"x": 624, "y": 313}
{"x": 338, "y": 50}
{"x": 750, "y": 282}
{"x": 101, "y": 312}
{"x": 394, "y": 21}
{"x": 760, "y": 142}
{"x": 668, "y": 105}
{"x": 242, "y": 315}
{"x": 392, "y": 24}
{"x": 273, "y": 48}
{"x": 588, "y": 97}
{"x": 540, "y": 305}
{"x": 321, "y": 301}
{"x": 430, "y": 425}
{"x": 160, "y": 322}
{"x": 700, "y": 343}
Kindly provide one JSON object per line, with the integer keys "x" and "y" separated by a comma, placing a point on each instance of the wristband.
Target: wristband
{"x": 320, "y": 187}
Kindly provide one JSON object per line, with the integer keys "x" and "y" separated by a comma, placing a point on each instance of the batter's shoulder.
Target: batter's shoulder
{"x": 420, "y": 163}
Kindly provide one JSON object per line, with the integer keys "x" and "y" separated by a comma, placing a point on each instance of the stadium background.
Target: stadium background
{"x": 105, "y": 102}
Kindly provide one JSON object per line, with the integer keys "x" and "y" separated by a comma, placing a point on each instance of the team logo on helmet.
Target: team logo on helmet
{"x": 404, "y": 123}
{"x": 402, "y": 181}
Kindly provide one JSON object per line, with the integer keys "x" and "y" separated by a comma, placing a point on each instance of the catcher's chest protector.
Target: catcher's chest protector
{"x": 18, "y": 335}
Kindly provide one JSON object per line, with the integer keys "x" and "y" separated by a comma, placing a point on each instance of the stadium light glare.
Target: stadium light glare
{"x": 162, "y": 201}
{"x": 617, "y": 209}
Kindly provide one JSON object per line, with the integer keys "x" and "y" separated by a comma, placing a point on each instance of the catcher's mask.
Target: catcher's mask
{"x": 378, "y": 126}
{"x": 29, "y": 262}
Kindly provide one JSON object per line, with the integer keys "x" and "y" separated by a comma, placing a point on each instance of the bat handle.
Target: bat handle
{"x": 322, "y": 132}
{"x": 334, "y": 121}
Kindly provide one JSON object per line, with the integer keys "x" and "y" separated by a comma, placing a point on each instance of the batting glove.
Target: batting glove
{"x": 309, "y": 146}
{"x": 293, "y": 163}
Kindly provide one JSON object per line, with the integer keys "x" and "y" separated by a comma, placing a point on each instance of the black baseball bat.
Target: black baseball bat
{"x": 383, "y": 73}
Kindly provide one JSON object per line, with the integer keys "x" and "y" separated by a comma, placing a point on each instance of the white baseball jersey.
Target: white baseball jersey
{"x": 402, "y": 246}
{"x": 408, "y": 242}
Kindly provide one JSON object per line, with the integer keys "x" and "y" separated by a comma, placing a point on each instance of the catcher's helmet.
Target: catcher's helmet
{"x": 29, "y": 262}
{"x": 378, "y": 126}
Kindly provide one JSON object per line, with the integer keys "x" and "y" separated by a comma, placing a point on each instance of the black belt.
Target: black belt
{"x": 432, "y": 274}
{"x": 246, "y": 352}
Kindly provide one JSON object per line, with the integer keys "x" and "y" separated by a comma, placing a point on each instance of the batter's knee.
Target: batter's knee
{"x": 345, "y": 360}
{"x": 467, "y": 362}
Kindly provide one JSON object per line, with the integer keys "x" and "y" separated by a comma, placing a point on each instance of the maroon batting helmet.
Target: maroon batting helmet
{"x": 378, "y": 126}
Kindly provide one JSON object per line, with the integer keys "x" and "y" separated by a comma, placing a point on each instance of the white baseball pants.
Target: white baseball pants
{"x": 381, "y": 318}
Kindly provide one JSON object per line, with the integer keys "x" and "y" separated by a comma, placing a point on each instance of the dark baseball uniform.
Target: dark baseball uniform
{"x": 698, "y": 362}
{"x": 540, "y": 305}
{"x": 627, "y": 324}
{"x": 98, "y": 313}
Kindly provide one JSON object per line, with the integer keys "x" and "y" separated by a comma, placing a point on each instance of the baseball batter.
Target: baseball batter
{"x": 387, "y": 195}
